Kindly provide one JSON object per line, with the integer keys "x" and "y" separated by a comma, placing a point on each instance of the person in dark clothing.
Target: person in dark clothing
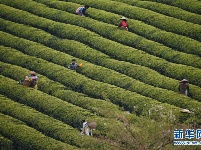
{"x": 82, "y": 10}
{"x": 74, "y": 65}
{"x": 184, "y": 87}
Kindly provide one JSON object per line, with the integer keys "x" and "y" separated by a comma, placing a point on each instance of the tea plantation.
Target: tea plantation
{"x": 128, "y": 83}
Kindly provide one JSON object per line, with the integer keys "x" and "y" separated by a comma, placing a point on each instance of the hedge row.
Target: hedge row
{"x": 5, "y": 144}
{"x": 189, "y": 5}
{"x": 28, "y": 138}
{"x": 166, "y": 10}
{"x": 172, "y": 70}
{"x": 158, "y": 20}
{"x": 131, "y": 101}
{"x": 48, "y": 125}
{"x": 97, "y": 106}
{"x": 97, "y": 73}
{"x": 146, "y": 45}
{"x": 114, "y": 33}
{"x": 61, "y": 110}
{"x": 137, "y": 125}
{"x": 142, "y": 132}
{"x": 181, "y": 43}
{"x": 139, "y": 74}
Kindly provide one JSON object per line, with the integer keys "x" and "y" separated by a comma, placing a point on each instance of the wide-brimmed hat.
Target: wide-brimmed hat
{"x": 32, "y": 72}
{"x": 184, "y": 80}
{"x": 186, "y": 111}
{"x": 123, "y": 18}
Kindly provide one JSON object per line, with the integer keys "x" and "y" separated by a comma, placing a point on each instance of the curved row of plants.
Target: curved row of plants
{"x": 168, "y": 10}
{"x": 101, "y": 28}
{"x": 48, "y": 125}
{"x": 5, "y": 143}
{"x": 175, "y": 41}
{"x": 84, "y": 52}
{"x": 128, "y": 138}
{"x": 189, "y": 5}
{"x": 158, "y": 20}
{"x": 131, "y": 101}
{"x": 24, "y": 137}
{"x": 172, "y": 70}
{"x": 178, "y": 42}
{"x": 63, "y": 111}
{"x": 137, "y": 125}
{"x": 99, "y": 107}
{"x": 98, "y": 73}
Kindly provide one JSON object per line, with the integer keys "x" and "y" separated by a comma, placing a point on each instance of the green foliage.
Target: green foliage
{"x": 158, "y": 20}
{"x": 189, "y": 5}
{"x": 175, "y": 41}
{"x": 28, "y": 138}
{"x": 49, "y": 126}
{"x": 5, "y": 144}
{"x": 62, "y": 110}
{"x": 84, "y": 52}
{"x": 61, "y": 28}
{"x": 166, "y": 10}
{"x": 112, "y": 33}
{"x": 185, "y": 73}
{"x": 100, "y": 73}
{"x": 129, "y": 100}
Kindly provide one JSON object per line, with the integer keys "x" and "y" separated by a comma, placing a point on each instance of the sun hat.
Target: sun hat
{"x": 186, "y": 111}
{"x": 32, "y": 72}
{"x": 184, "y": 80}
{"x": 123, "y": 18}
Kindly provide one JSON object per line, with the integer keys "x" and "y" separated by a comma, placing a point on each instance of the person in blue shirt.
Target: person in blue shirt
{"x": 82, "y": 10}
{"x": 73, "y": 66}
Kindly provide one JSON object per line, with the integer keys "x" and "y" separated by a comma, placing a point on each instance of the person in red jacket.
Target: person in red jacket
{"x": 123, "y": 24}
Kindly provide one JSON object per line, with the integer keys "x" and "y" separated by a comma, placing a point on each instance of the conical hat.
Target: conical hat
{"x": 33, "y": 72}
{"x": 186, "y": 111}
{"x": 184, "y": 80}
{"x": 123, "y": 18}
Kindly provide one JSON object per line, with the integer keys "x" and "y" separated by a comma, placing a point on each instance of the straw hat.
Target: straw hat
{"x": 32, "y": 72}
{"x": 186, "y": 111}
{"x": 123, "y": 18}
{"x": 184, "y": 80}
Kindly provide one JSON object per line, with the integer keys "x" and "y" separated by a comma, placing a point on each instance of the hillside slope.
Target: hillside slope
{"x": 128, "y": 83}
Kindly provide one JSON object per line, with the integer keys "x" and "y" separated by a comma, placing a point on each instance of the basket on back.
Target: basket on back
{"x": 26, "y": 82}
{"x": 92, "y": 125}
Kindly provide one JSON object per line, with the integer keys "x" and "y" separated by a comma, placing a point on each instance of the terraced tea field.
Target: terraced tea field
{"x": 128, "y": 83}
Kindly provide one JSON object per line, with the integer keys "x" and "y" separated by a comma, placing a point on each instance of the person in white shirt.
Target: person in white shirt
{"x": 85, "y": 128}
